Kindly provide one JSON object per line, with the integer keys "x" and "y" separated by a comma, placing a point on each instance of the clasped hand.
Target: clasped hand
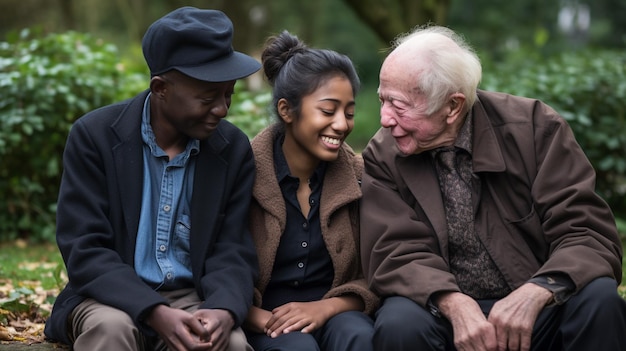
{"x": 508, "y": 327}
{"x": 182, "y": 331}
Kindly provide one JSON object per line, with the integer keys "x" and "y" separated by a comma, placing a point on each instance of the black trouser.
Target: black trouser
{"x": 347, "y": 331}
{"x": 593, "y": 319}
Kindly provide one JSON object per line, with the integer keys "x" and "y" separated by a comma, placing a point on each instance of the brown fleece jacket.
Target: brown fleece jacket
{"x": 339, "y": 211}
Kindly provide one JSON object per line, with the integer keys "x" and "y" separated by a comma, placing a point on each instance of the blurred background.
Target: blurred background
{"x": 62, "y": 58}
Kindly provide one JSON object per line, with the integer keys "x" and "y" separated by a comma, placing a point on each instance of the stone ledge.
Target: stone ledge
{"x": 18, "y": 346}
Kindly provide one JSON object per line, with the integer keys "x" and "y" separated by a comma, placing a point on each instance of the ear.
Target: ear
{"x": 284, "y": 111}
{"x": 456, "y": 104}
{"x": 158, "y": 87}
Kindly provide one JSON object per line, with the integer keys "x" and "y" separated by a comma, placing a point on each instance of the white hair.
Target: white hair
{"x": 452, "y": 65}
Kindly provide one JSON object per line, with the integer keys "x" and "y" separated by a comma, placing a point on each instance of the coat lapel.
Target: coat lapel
{"x": 268, "y": 194}
{"x": 128, "y": 156}
{"x": 206, "y": 199}
{"x": 422, "y": 182}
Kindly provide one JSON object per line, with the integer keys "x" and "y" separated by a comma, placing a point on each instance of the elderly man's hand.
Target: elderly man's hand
{"x": 514, "y": 316}
{"x": 472, "y": 331}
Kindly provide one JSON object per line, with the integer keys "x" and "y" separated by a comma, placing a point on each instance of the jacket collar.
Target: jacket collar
{"x": 421, "y": 179}
{"x": 487, "y": 156}
{"x": 341, "y": 181}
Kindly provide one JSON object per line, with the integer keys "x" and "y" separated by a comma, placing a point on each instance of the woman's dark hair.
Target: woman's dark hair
{"x": 295, "y": 70}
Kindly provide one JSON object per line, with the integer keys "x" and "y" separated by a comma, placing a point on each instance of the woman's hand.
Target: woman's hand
{"x": 308, "y": 316}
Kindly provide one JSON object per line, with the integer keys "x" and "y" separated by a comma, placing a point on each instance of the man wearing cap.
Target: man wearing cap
{"x": 152, "y": 208}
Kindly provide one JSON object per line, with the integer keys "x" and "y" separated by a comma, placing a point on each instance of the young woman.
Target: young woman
{"x": 310, "y": 294}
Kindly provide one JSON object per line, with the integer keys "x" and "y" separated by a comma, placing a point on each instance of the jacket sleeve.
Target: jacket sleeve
{"x": 358, "y": 288}
{"x": 86, "y": 233}
{"x": 399, "y": 248}
{"x": 230, "y": 265}
{"x": 578, "y": 225}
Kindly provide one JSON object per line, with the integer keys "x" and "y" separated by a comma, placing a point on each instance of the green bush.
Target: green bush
{"x": 46, "y": 82}
{"x": 588, "y": 88}
{"x": 250, "y": 111}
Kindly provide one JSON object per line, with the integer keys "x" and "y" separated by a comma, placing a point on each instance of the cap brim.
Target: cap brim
{"x": 232, "y": 67}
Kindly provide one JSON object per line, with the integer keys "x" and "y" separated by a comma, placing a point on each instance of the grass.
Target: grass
{"x": 22, "y": 263}
{"x": 31, "y": 277}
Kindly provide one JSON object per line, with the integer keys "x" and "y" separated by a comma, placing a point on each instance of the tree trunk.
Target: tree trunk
{"x": 389, "y": 18}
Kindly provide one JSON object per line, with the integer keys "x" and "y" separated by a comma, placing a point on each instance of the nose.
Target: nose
{"x": 220, "y": 108}
{"x": 340, "y": 123}
{"x": 387, "y": 117}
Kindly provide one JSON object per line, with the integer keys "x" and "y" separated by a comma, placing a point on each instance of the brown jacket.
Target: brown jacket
{"x": 338, "y": 217}
{"x": 537, "y": 213}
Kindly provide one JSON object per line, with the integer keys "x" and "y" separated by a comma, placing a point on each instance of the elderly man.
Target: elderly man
{"x": 153, "y": 205}
{"x": 480, "y": 227}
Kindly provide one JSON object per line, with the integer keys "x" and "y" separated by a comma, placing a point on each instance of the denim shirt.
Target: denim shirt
{"x": 162, "y": 257}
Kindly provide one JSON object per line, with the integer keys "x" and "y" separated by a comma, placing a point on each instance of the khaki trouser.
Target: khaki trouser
{"x": 94, "y": 326}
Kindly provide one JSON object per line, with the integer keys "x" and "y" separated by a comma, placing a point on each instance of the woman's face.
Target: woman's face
{"x": 326, "y": 119}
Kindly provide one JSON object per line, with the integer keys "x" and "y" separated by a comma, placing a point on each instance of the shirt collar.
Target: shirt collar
{"x": 464, "y": 138}
{"x": 282, "y": 168}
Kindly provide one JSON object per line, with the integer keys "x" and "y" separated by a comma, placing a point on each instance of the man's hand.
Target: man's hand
{"x": 472, "y": 331}
{"x": 219, "y": 324}
{"x": 180, "y": 330}
{"x": 514, "y": 316}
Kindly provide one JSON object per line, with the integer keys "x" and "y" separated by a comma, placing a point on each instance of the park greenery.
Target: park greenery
{"x": 49, "y": 80}
{"x": 51, "y": 75}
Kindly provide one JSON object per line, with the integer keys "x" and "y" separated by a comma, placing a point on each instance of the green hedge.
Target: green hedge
{"x": 46, "y": 82}
{"x": 588, "y": 88}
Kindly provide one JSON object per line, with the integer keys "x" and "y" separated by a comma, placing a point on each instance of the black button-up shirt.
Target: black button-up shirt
{"x": 303, "y": 270}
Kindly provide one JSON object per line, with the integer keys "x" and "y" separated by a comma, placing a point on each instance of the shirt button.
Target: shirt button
{"x": 162, "y": 248}
{"x": 169, "y": 276}
{"x": 312, "y": 202}
{"x": 300, "y": 265}
{"x": 166, "y": 208}
{"x": 305, "y": 225}
{"x": 305, "y": 244}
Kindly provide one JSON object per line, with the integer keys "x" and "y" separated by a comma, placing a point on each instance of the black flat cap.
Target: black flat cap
{"x": 198, "y": 43}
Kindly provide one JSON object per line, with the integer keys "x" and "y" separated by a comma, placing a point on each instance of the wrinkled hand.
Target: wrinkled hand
{"x": 180, "y": 330}
{"x": 301, "y": 316}
{"x": 514, "y": 316}
{"x": 219, "y": 324}
{"x": 472, "y": 331}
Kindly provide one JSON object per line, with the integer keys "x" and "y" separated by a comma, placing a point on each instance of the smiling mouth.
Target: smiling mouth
{"x": 332, "y": 141}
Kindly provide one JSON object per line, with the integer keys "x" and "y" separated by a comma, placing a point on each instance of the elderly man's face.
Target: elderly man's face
{"x": 403, "y": 110}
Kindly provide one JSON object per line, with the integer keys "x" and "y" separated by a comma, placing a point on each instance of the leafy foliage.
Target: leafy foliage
{"x": 250, "y": 110}
{"x": 46, "y": 82}
{"x": 588, "y": 88}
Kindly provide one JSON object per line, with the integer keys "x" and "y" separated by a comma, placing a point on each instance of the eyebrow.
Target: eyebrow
{"x": 337, "y": 101}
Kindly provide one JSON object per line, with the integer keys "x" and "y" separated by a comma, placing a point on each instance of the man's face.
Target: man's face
{"x": 192, "y": 107}
{"x": 403, "y": 110}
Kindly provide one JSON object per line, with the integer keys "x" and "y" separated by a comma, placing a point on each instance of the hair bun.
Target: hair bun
{"x": 278, "y": 50}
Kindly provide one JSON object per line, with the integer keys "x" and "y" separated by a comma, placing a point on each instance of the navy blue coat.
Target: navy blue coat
{"x": 98, "y": 216}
